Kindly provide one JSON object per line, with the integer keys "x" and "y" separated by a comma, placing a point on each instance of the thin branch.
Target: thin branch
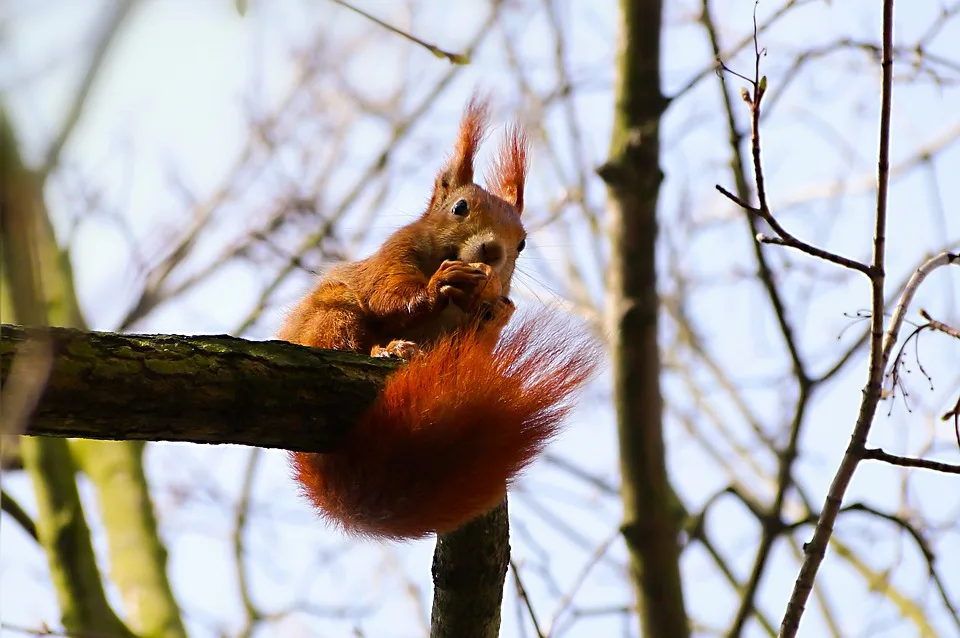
{"x": 253, "y": 615}
{"x": 877, "y": 454}
{"x": 844, "y": 359}
{"x": 909, "y": 291}
{"x": 922, "y": 544}
{"x": 526, "y": 599}
{"x": 784, "y": 238}
{"x": 739, "y": 172}
{"x": 771, "y": 520}
{"x": 939, "y": 325}
{"x": 17, "y": 513}
{"x": 880, "y": 347}
{"x": 731, "y": 52}
{"x": 453, "y": 58}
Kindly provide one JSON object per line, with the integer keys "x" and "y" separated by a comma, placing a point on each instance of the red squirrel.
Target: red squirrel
{"x": 470, "y": 408}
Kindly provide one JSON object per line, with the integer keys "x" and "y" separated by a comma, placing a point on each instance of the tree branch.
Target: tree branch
{"x": 17, "y": 513}
{"x": 880, "y": 348}
{"x": 469, "y": 569}
{"x": 877, "y": 454}
{"x": 204, "y": 389}
{"x": 452, "y": 58}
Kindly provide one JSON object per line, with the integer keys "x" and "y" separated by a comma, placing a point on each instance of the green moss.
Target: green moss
{"x": 214, "y": 347}
{"x": 163, "y": 366}
{"x": 83, "y": 350}
{"x": 125, "y": 352}
{"x": 117, "y": 368}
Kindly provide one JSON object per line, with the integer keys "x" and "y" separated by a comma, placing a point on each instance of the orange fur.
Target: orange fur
{"x": 456, "y": 424}
{"x": 509, "y": 174}
{"x": 459, "y": 169}
{"x": 450, "y": 431}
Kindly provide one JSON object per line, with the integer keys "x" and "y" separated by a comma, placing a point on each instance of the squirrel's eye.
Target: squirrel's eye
{"x": 521, "y": 245}
{"x": 460, "y": 209}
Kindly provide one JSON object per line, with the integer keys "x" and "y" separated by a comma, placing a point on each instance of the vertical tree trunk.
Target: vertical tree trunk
{"x": 61, "y": 525}
{"x": 137, "y": 555}
{"x": 633, "y": 176}
{"x": 469, "y": 570}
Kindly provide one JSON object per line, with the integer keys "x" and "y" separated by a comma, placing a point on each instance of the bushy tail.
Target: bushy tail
{"x": 450, "y": 431}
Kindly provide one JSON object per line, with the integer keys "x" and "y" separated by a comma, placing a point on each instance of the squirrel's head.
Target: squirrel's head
{"x": 474, "y": 224}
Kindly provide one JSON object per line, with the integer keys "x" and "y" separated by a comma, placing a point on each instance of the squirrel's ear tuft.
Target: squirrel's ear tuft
{"x": 509, "y": 174}
{"x": 459, "y": 169}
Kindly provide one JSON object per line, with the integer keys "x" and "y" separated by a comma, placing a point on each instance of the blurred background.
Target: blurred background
{"x": 201, "y": 162}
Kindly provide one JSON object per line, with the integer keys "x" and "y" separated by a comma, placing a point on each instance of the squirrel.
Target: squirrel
{"x": 471, "y": 407}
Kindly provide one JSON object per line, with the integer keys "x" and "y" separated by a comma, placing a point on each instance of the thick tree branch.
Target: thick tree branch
{"x": 206, "y": 389}
{"x": 469, "y": 569}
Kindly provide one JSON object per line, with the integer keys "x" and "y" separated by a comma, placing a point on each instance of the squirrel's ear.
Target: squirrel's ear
{"x": 459, "y": 169}
{"x": 509, "y": 173}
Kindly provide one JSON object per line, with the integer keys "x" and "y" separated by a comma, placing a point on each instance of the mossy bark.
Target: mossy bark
{"x": 206, "y": 389}
{"x": 469, "y": 570}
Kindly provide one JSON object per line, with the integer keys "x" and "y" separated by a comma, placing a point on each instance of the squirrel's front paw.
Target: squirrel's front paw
{"x": 405, "y": 350}
{"x": 495, "y": 314}
{"x": 460, "y": 283}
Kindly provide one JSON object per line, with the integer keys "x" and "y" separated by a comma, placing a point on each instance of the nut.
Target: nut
{"x": 492, "y": 290}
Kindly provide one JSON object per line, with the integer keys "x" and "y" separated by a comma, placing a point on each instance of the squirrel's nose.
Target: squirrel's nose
{"x": 492, "y": 253}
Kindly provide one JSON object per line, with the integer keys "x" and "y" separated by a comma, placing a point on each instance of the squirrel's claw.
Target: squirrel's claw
{"x": 405, "y": 350}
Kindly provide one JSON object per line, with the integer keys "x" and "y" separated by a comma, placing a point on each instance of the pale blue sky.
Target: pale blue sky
{"x": 172, "y": 107}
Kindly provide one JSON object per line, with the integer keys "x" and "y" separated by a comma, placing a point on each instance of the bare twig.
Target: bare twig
{"x": 17, "y": 513}
{"x": 879, "y": 455}
{"x": 939, "y": 325}
{"x": 771, "y": 519}
{"x": 746, "y": 41}
{"x": 880, "y": 346}
{"x": 784, "y": 238}
{"x": 909, "y": 291}
{"x": 253, "y": 615}
{"x": 453, "y": 58}
{"x": 955, "y": 414}
{"x": 526, "y": 599}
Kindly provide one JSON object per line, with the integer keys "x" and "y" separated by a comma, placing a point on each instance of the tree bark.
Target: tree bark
{"x": 633, "y": 177}
{"x": 469, "y": 570}
{"x": 205, "y": 389}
